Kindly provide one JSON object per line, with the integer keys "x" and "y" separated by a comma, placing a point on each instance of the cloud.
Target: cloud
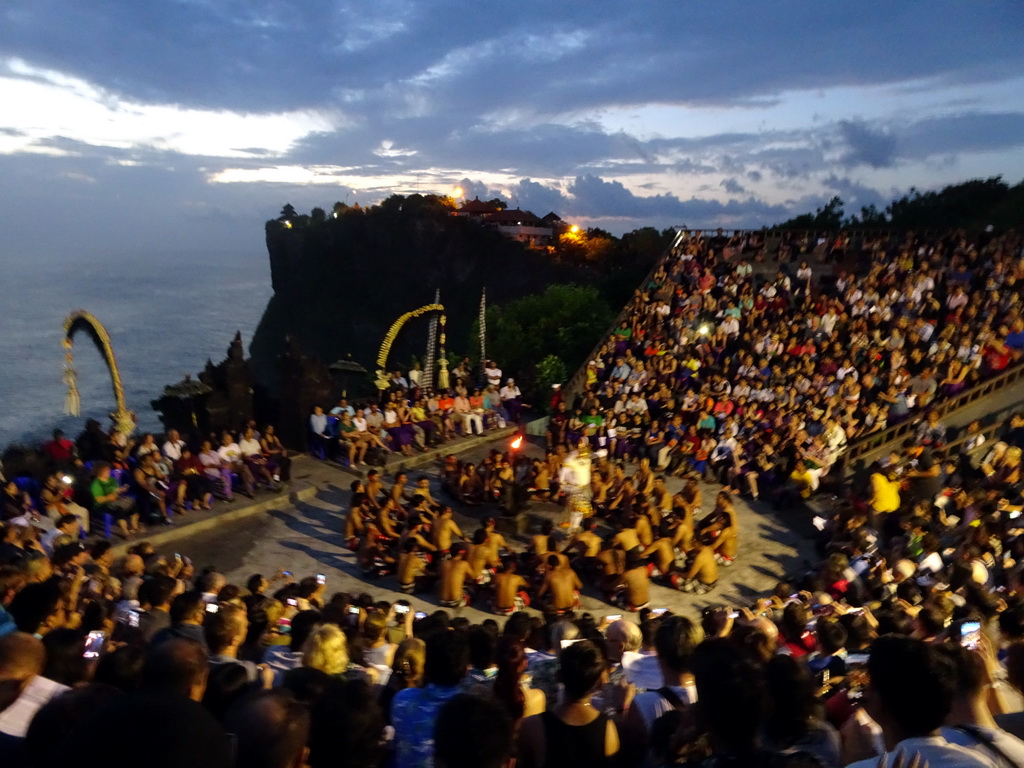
{"x": 732, "y": 186}
{"x": 864, "y": 146}
{"x": 623, "y": 114}
{"x": 54, "y": 105}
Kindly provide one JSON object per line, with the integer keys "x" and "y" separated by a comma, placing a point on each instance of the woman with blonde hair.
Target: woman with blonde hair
{"x": 326, "y": 649}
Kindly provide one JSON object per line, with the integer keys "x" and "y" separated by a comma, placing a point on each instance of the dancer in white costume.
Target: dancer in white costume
{"x": 574, "y": 478}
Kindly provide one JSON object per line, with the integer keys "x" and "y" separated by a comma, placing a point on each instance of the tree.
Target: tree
{"x": 828, "y": 217}
{"x": 288, "y": 212}
{"x": 563, "y": 321}
{"x": 498, "y": 203}
{"x": 318, "y": 215}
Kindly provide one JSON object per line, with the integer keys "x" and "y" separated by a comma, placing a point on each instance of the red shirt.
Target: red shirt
{"x": 60, "y": 451}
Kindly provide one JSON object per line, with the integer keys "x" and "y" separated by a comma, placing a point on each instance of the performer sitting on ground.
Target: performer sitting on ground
{"x": 635, "y": 590}
{"x": 701, "y": 575}
{"x": 661, "y": 552}
{"x": 562, "y": 585}
{"x": 452, "y": 591}
{"x": 584, "y": 547}
{"x": 412, "y": 569}
{"x": 510, "y": 591}
{"x": 444, "y": 529}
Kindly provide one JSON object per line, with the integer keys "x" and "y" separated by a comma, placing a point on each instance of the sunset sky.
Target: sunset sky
{"x": 178, "y": 127}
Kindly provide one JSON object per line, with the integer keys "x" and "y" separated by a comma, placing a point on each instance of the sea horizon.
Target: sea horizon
{"x": 166, "y": 315}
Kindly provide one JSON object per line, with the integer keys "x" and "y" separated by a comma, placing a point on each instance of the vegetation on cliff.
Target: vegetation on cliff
{"x": 341, "y": 279}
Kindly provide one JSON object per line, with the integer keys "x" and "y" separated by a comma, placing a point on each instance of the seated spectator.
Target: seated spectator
{"x": 57, "y": 498}
{"x": 276, "y": 454}
{"x": 188, "y": 610}
{"x": 109, "y": 498}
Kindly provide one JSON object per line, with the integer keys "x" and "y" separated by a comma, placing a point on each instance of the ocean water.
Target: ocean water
{"x": 165, "y": 317}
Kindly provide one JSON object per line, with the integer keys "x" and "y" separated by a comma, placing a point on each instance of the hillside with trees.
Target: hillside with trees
{"x": 341, "y": 279}
{"x": 973, "y": 204}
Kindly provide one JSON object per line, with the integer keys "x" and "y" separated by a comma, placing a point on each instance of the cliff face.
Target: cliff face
{"x": 340, "y": 282}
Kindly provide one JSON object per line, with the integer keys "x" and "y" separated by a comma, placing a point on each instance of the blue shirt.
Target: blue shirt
{"x": 1015, "y": 340}
{"x": 7, "y": 625}
{"x": 413, "y": 713}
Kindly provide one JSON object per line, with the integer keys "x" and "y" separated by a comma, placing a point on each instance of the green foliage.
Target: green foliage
{"x": 828, "y": 217}
{"x": 562, "y": 322}
{"x": 973, "y": 203}
{"x": 970, "y": 204}
{"x": 550, "y": 370}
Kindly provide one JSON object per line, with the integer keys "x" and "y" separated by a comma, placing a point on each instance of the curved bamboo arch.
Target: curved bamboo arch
{"x": 78, "y": 320}
{"x": 389, "y": 339}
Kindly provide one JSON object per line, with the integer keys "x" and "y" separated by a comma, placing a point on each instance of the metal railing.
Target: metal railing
{"x": 879, "y": 441}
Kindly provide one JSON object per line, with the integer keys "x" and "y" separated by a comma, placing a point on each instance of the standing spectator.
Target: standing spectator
{"x": 60, "y": 450}
{"x": 574, "y": 734}
{"x": 414, "y": 711}
{"x": 492, "y": 373}
{"x": 675, "y": 640}
{"x": 472, "y": 732}
{"x": 319, "y": 440}
{"x": 910, "y": 694}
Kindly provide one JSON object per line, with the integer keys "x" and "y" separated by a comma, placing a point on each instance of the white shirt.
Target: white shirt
{"x": 16, "y": 718}
{"x": 493, "y": 376}
{"x": 651, "y": 705}
{"x": 934, "y": 750}
{"x": 509, "y": 392}
{"x": 642, "y": 670}
{"x": 172, "y": 450}
{"x": 230, "y": 453}
{"x": 250, "y": 447}
{"x": 1007, "y": 743}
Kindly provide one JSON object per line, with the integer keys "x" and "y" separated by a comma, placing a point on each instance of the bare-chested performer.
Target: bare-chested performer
{"x": 452, "y": 585}
{"x": 444, "y": 529}
{"x": 412, "y": 569}
{"x": 636, "y": 583}
{"x": 563, "y": 586}
{"x": 662, "y": 552}
{"x": 510, "y": 591}
{"x": 701, "y": 574}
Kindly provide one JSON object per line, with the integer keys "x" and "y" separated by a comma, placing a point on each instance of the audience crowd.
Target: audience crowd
{"x": 761, "y": 383}
{"x": 111, "y": 479}
{"x": 903, "y": 646}
{"x": 412, "y": 416}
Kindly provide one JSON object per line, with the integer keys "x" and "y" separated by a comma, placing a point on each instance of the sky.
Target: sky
{"x": 171, "y": 127}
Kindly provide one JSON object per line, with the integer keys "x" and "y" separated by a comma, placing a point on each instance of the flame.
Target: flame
{"x": 517, "y": 443}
